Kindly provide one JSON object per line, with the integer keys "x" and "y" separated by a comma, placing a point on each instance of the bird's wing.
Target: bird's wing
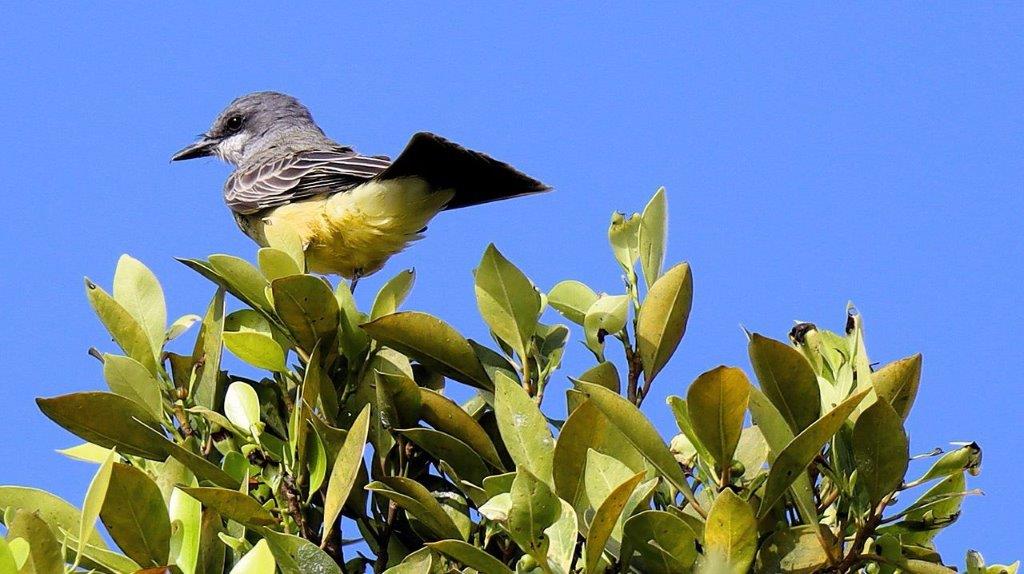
{"x": 297, "y": 176}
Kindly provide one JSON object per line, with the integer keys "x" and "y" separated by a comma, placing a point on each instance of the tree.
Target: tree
{"x": 349, "y": 456}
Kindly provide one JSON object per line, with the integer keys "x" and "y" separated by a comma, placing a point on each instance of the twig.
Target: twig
{"x": 291, "y": 494}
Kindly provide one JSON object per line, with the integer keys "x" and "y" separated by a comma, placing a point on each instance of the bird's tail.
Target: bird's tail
{"x": 473, "y": 177}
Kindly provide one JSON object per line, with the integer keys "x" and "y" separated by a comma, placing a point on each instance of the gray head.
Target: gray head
{"x": 251, "y": 124}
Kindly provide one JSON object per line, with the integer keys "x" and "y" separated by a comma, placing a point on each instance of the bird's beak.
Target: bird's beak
{"x": 202, "y": 148}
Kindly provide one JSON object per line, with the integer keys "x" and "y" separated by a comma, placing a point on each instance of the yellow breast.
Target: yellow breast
{"x": 353, "y": 233}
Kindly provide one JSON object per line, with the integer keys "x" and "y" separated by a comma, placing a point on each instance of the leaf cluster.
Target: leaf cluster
{"x": 348, "y": 454}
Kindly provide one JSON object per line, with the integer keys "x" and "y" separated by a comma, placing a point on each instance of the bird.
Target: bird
{"x": 351, "y": 211}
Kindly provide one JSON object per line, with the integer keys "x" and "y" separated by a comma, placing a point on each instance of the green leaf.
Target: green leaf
{"x": 107, "y": 420}
{"x": 186, "y": 514}
{"x": 602, "y": 475}
{"x": 317, "y": 462}
{"x": 534, "y": 508}
{"x": 798, "y": 454}
{"x": 604, "y": 374}
{"x": 605, "y": 519}
{"x": 392, "y": 294}
{"x": 681, "y": 412}
{"x": 123, "y": 328}
{"x": 572, "y": 299}
{"x": 59, "y": 514}
{"x": 717, "y": 401}
{"x": 523, "y": 429}
{"x": 345, "y": 470}
{"x": 432, "y": 342}
{"x": 622, "y": 234}
{"x": 399, "y": 399}
{"x": 606, "y": 316}
{"x": 139, "y": 292}
{"x": 418, "y": 502}
{"x": 242, "y": 406}
{"x": 179, "y": 326}
{"x": 466, "y": 463}
{"x": 128, "y": 378}
{"x": 136, "y": 517}
{"x": 795, "y": 550}
{"x": 94, "y": 501}
{"x": 730, "y": 533}
{"x": 661, "y": 323}
{"x": 446, "y": 416}
{"x": 470, "y": 556}
{"x": 787, "y": 380}
{"x": 898, "y": 382}
{"x": 259, "y": 560}
{"x": 256, "y": 349}
{"x": 587, "y": 428}
{"x": 881, "y": 450}
{"x": 44, "y": 549}
{"x": 296, "y": 555}
{"x": 308, "y": 308}
{"x": 665, "y": 543}
{"x": 966, "y": 458}
{"x": 507, "y": 300}
{"x": 232, "y": 504}
{"x": 207, "y": 354}
{"x": 641, "y": 434}
{"x": 352, "y": 339}
{"x": 243, "y": 280}
{"x": 8, "y": 564}
{"x": 562, "y": 536}
{"x": 211, "y": 548}
{"x": 653, "y": 236}
{"x": 276, "y": 264}
{"x": 286, "y": 239}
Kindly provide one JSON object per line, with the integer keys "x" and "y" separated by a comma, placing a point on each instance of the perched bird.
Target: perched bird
{"x": 352, "y": 211}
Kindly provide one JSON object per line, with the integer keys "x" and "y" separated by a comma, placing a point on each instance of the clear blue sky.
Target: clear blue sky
{"x": 813, "y": 154}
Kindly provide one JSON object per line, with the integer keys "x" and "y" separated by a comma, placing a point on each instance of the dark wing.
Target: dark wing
{"x": 300, "y": 175}
{"x": 474, "y": 177}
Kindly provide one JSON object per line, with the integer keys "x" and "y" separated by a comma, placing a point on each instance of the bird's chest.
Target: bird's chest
{"x": 350, "y": 233}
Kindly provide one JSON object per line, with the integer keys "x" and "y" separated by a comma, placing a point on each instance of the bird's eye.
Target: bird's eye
{"x": 234, "y": 123}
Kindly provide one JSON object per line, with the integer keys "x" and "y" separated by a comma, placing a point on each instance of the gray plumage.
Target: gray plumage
{"x": 282, "y": 156}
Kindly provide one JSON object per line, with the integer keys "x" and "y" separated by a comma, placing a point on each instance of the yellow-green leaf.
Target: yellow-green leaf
{"x": 139, "y": 292}
{"x": 534, "y": 508}
{"x": 639, "y": 431}
{"x": 207, "y": 354}
{"x": 136, "y": 517}
{"x": 572, "y": 299}
{"x": 730, "y": 533}
{"x": 432, "y": 342}
{"x": 244, "y": 280}
{"x": 604, "y": 374}
{"x": 787, "y": 380}
{"x": 257, "y": 349}
{"x": 653, "y": 237}
{"x": 665, "y": 544}
{"x": 128, "y": 378}
{"x": 259, "y": 560}
{"x": 795, "y": 549}
{"x": 523, "y": 428}
{"x": 308, "y": 308}
{"x": 881, "y": 450}
{"x": 446, "y": 416}
{"x": 661, "y": 323}
{"x": 717, "y": 404}
{"x": 242, "y": 406}
{"x": 345, "y": 470}
{"x": 275, "y": 263}
{"x": 507, "y": 300}
{"x": 470, "y": 556}
{"x": 232, "y": 504}
{"x": 622, "y": 234}
{"x": 43, "y": 548}
{"x": 606, "y": 316}
{"x": 418, "y": 502}
{"x": 59, "y": 514}
{"x": 284, "y": 238}
{"x": 122, "y": 326}
{"x": 605, "y": 519}
{"x": 392, "y": 294}
{"x": 898, "y": 382}
{"x": 798, "y": 454}
{"x": 107, "y": 420}
{"x": 94, "y": 501}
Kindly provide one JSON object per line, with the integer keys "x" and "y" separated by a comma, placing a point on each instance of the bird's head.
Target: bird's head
{"x": 251, "y": 124}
